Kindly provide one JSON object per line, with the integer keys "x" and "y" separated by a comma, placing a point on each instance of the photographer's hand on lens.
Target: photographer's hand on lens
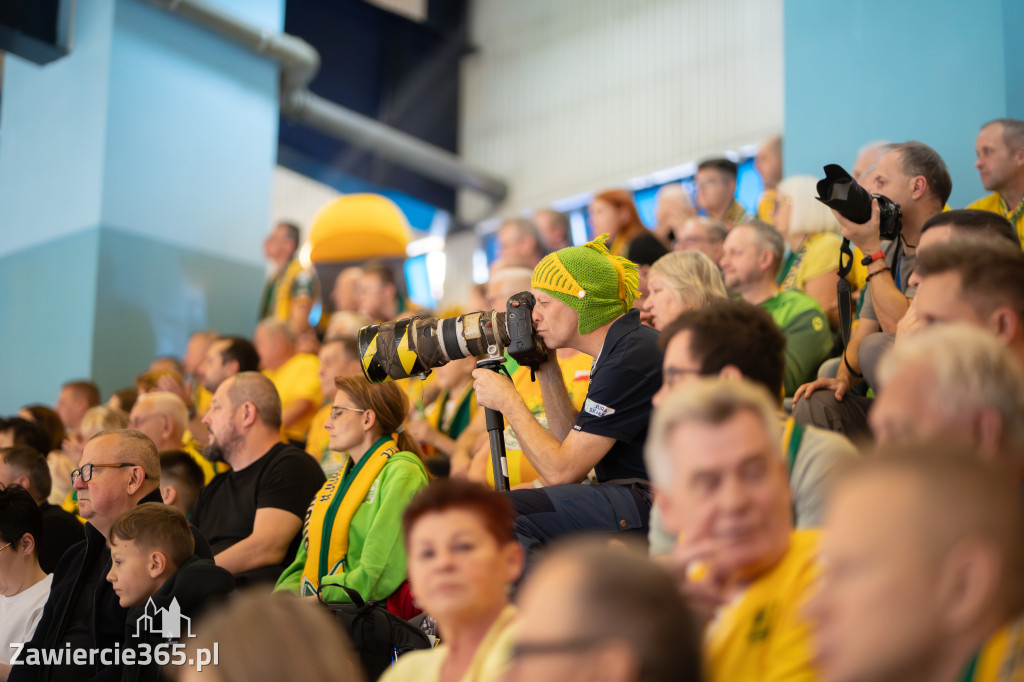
{"x": 864, "y": 236}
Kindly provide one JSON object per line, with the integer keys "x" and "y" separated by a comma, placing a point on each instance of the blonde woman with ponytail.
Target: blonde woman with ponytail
{"x": 352, "y": 534}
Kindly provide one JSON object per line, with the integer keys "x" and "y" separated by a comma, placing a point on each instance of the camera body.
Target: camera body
{"x": 415, "y": 345}
{"x": 840, "y": 192}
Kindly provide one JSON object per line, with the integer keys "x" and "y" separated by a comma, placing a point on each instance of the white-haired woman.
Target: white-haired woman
{"x": 812, "y": 234}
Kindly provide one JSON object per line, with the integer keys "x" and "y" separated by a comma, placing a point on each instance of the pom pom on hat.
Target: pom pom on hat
{"x": 590, "y": 280}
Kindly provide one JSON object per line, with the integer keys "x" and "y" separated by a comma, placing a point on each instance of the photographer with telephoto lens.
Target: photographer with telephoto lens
{"x": 584, "y": 298}
{"x": 915, "y": 185}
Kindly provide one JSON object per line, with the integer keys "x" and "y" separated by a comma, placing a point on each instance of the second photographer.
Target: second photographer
{"x": 913, "y": 176}
{"x": 584, "y": 301}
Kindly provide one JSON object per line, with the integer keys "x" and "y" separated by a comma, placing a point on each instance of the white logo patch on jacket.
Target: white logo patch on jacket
{"x": 597, "y": 409}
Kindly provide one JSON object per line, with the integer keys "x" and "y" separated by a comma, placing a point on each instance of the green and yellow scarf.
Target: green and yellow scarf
{"x": 329, "y": 516}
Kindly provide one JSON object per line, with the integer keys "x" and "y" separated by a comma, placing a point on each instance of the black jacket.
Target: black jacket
{"x": 195, "y": 586}
{"x": 107, "y": 622}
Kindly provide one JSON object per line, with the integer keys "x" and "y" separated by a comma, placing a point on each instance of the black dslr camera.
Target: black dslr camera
{"x": 840, "y": 192}
{"x": 415, "y": 345}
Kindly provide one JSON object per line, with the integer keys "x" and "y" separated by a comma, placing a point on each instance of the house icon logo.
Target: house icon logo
{"x": 168, "y": 623}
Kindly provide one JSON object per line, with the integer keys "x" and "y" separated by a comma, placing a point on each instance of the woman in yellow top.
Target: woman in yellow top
{"x": 812, "y": 235}
{"x": 352, "y": 533}
{"x": 440, "y": 423}
{"x": 463, "y": 558}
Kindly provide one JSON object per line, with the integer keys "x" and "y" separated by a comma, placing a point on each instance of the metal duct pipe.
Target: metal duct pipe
{"x": 299, "y": 64}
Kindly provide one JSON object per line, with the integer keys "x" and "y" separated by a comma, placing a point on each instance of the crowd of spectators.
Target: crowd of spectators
{"x": 722, "y": 471}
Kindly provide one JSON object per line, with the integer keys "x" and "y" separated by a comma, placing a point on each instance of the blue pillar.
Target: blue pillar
{"x": 135, "y": 179}
{"x": 876, "y": 69}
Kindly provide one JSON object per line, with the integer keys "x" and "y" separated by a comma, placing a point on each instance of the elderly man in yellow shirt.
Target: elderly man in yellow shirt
{"x": 719, "y": 477}
{"x": 1000, "y": 164}
{"x": 295, "y": 375}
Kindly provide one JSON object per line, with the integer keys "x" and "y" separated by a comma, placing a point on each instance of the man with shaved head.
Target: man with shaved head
{"x": 163, "y": 417}
{"x": 252, "y": 514}
{"x": 118, "y": 470}
{"x": 923, "y": 571}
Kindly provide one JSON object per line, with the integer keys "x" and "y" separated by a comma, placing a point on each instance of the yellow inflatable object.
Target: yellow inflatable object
{"x": 357, "y": 227}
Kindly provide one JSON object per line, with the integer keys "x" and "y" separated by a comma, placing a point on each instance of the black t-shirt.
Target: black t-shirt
{"x": 284, "y": 478}
{"x": 60, "y": 530}
{"x": 623, "y": 380}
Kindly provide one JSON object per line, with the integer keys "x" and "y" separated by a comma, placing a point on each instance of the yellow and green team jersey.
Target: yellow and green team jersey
{"x": 994, "y": 203}
{"x": 763, "y": 633}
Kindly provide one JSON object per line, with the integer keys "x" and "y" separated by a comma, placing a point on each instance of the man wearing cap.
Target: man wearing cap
{"x": 584, "y": 301}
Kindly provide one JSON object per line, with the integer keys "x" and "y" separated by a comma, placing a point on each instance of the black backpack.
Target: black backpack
{"x": 378, "y": 636}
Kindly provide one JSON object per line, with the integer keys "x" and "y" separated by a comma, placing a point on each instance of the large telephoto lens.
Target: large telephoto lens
{"x": 414, "y": 345}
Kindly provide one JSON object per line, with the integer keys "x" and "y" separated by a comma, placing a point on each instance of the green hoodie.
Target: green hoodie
{"x": 375, "y": 564}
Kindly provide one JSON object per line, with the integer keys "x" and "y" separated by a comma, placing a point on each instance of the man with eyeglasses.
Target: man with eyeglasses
{"x": 118, "y": 470}
{"x": 706, "y": 235}
{"x": 737, "y": 340}
{"x": 253, "y": 513}
{"x": 593, "y": 612}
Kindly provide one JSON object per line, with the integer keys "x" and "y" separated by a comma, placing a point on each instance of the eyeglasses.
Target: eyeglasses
{"x": 524, "y": 649}
{"x": 85, "y": 471}
{"x": 4, "y": 547}
{"x": 335, "y": 414}
{"x": 671, "y": 375}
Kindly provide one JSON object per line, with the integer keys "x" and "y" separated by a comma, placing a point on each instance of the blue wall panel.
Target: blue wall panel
{"x": 860, "y": 71}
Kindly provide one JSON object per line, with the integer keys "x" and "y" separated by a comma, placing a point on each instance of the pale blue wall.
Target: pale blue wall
{"x": 869, "y": 69}
{"x": 135, "y": 183}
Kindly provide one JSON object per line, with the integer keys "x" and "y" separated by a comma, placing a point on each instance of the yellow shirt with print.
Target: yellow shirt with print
{"x": 297, "y": 379}
{"x": 995, "y": 204}
{"x": 762, "y": 634}
{"x": 576, "y": 373}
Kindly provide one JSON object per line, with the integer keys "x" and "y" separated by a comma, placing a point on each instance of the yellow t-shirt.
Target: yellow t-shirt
{"x": 994, "y": 203}
{"x": 821, "y": 255}
{"x": 203, "y": 398}
{"x": 576, "y": 373}
{"x": 298, "y": 379}
{"x": 489, "y": 664}
{"x": 766, "y": 206}
{"x": 1002, "y": 656}
{"x": 762, "y": 634}
{"x": 318, "y": 443}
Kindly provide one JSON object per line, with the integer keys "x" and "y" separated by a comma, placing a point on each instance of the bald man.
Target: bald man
{"x": 118, "y": 470}
{"x": 253, "y": 513}
{"x": 923, "y": 567}
{"x": 163, "y": 417}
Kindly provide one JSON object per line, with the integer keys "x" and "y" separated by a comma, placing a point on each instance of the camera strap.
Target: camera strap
{"x": 845, "y": 292}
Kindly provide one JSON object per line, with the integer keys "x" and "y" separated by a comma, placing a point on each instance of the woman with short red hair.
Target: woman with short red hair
{"x": 463, "y": 558}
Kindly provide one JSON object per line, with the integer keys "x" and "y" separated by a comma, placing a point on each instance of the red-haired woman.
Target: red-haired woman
{"x": 463, "y": 559}
{"x": 352, "y": 535}
{"x": 614, "y": 212}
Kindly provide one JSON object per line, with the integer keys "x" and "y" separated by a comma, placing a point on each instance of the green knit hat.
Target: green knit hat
{"x": 590, "y": 280}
